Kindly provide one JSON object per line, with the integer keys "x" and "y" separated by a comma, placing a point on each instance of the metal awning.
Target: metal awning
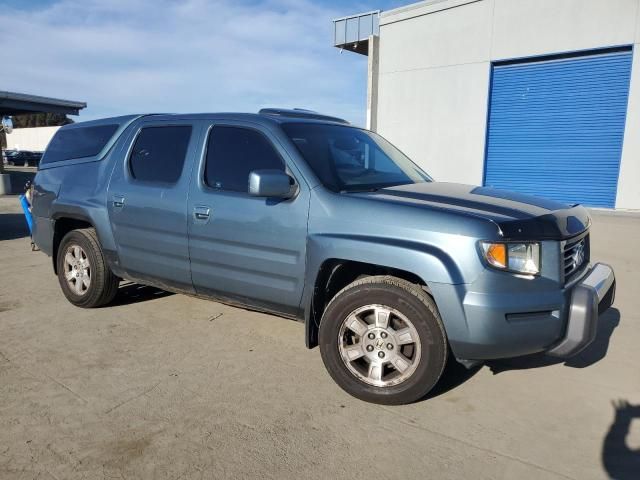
{"x": 12, "y": 103}
{"x": 352, "y": 32}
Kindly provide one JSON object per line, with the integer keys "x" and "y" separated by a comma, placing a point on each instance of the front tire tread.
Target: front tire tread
{"x": 430, "y": 323}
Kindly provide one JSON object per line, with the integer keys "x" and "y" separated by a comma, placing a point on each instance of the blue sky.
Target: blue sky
{"x": 130, "y": 56}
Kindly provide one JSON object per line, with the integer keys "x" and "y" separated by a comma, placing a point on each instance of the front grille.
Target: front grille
{"x": 575, "y": 255}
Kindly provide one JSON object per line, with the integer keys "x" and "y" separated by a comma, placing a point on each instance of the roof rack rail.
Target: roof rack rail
{"x": 300, "y": 113}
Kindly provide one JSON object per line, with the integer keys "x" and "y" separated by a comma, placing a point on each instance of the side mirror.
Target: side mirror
{"x": 270, "y": 183}
{"x": 7, "y": 124}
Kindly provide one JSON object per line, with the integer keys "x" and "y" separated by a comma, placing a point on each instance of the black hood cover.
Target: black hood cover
{"x": 518, "y": 216}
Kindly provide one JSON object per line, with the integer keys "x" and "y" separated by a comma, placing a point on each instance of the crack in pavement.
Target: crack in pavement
{"x": 57, "y": 382}
{"x": 132, "y": 398}
{"x": 69, "y": 389}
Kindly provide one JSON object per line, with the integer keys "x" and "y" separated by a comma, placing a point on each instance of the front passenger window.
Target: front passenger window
{"x": 232, "y": 153}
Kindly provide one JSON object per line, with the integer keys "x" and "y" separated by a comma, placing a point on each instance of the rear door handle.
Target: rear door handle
{"x": 118, "y": 201}
{"x": 201, "y": 213}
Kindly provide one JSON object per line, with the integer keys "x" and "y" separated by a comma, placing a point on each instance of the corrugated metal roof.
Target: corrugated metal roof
{"x": 13, "y": 103}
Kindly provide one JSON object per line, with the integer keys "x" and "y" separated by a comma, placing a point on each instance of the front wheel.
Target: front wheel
{"x": 382, "y": 340}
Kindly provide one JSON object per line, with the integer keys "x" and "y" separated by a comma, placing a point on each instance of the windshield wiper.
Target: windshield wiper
{"x": 361, "y": 190}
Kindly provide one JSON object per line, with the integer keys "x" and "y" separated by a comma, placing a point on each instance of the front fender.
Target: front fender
{"x": 430, "y": 263}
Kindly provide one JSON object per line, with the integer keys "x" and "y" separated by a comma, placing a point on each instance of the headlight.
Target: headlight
{"x": 513, "y": 257}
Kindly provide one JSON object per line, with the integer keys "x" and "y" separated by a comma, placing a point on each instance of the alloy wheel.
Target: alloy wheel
{"x": 77, "y": 269}
{"x": 379, "y": 345}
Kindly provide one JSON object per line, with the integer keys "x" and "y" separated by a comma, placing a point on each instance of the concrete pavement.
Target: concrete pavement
{"x": 166, "y": 386}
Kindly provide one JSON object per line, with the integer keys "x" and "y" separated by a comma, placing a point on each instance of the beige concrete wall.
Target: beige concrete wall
{"x": 435, "y": 61}
{"x": 629, "y": 179}
{"x": 442, "y": 129}
{"x": 433, "y": 87}
{"x": 34, "y": 139}
{"x": 523, "y": 28}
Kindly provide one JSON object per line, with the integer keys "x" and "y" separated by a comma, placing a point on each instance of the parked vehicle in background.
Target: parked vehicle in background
{"x": 22, "y": 158}
{"x": 308, "y": 217}
{"x": 29, "y": 159}
{"x": 7, "y": 154}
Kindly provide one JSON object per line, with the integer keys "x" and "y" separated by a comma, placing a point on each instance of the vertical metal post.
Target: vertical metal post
{"x": 346, "y": 23}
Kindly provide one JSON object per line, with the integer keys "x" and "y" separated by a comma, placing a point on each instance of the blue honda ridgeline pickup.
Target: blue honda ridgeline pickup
{"x": 304, "y": 216}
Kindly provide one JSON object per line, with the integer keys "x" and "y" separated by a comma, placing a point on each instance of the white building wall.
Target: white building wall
{"x": 629, "y": 180}
{"x": 34, "y": 139}
{"x": 433, "y": 87}
{"x": 435, "y": 63}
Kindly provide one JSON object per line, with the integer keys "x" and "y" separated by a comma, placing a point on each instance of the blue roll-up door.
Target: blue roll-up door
{"x": 556, "y": 127}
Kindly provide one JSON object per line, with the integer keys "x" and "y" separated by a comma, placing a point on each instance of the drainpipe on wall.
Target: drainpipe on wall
{"x": 372, "y": 82}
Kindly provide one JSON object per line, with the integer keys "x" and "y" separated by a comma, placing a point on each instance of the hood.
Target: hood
{"x": 518, "y": 216}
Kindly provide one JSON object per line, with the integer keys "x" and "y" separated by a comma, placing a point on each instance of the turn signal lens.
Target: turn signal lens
{"x": 514, "y": 257}
{"x": 496, "y": 254}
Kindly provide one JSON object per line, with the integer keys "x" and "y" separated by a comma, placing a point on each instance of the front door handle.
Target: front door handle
{"x": 118, "y": 201}
{"x": 201, "y": 213}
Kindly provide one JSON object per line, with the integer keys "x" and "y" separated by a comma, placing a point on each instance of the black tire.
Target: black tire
{"x": 416, "y": 305}
{"x": 104, "y": 284}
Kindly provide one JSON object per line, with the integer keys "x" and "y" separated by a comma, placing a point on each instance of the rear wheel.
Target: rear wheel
{"x": 382, "y": 340}
{"x": 84, "y": 276}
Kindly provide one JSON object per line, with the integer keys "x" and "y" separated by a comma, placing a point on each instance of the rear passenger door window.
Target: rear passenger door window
{"x": 159, "y": 153}
{"x": 148, "y": 199}
{"x": 232, "y": 153}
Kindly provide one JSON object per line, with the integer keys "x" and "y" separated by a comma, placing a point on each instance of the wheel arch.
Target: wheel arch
{"x": 334, "y": 262}
{"x": 61, "y": 226}
{"x": 69, "y": 217}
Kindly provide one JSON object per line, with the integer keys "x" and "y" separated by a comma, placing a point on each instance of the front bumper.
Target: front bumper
{"x": 589, "y": 298}
{"x": 502, "y": 316}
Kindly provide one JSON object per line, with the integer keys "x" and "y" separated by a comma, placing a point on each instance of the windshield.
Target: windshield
{"x": 348, "y": 159}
